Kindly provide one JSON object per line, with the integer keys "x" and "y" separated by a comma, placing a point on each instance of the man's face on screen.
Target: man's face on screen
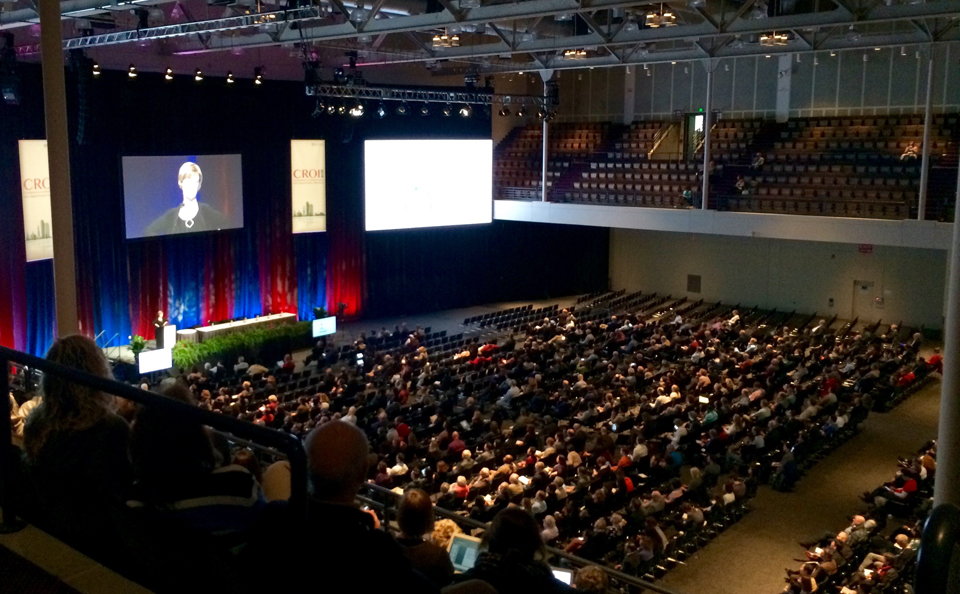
{"x": 190, "y": 186}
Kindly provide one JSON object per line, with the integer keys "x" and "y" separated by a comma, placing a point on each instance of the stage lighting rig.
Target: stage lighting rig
{"x": 9, "y": 77}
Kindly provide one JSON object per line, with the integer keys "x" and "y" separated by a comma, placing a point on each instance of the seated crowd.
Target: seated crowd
{"x": 607, "y": 437}
{"x": 877, "y": 551}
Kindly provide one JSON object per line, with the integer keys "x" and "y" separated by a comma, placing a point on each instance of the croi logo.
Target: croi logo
{"x": 308, "y": 173}
{"x": 36, "y": 183}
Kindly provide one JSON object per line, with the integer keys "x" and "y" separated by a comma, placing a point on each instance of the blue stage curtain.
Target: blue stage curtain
{"x": 41, "y": 311}
{"x": 311, "y": 255}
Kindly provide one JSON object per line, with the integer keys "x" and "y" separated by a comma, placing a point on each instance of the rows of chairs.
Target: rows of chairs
{"x": 869, "y": 209}
{"x": 503, "y": 312}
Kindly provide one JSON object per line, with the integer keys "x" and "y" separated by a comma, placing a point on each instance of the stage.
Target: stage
{"x": 450, "y": 320}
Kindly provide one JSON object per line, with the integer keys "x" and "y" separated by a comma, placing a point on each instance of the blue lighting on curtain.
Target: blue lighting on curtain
{"x": 41, "y": 310}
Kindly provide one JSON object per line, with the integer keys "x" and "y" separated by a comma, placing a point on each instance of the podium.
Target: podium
{"x": 166, "y": 337}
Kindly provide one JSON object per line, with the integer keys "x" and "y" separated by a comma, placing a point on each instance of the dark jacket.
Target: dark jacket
{"x": 512, "y": 576}
{"x": 169, "y": 223}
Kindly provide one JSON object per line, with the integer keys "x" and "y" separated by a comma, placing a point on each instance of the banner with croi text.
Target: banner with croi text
{"x": 35, "y": 192}
{"x": 308, "y": 185}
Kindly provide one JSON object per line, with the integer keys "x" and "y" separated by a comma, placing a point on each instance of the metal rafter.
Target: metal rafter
{"x": 371, "y": 15}
{"x": 421, "y": 95}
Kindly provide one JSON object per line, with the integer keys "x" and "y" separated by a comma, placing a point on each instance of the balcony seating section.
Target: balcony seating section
{"x": 517, "y": 165}
{"x": 642, "y": 183}
{"x": 731, "y": 140}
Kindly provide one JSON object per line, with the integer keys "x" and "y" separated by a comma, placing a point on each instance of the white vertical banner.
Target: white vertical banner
{"x": 35, "y": 192}
{"x": 784, "y": 77}
{"x": 308, "y": 185}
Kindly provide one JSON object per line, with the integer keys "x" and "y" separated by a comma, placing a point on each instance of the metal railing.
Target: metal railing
{"x": 283, "y": 442}
{"x": 938, "y": 550}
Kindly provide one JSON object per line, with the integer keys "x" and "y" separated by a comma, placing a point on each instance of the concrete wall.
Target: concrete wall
{"x": 788, "y": 275}
{"x": 889, "y": 81}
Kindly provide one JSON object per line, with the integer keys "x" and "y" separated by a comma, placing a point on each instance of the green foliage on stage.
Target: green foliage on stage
{"x": 137, "y": 345}
{"x": 258, "y": 344}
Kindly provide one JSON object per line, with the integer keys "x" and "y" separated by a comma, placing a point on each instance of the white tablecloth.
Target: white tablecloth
{"x": 239, "y": 326}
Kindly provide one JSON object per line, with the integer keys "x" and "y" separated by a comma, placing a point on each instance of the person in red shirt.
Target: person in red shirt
{"x": 935, "y": 363}
{"x": 403, "y": 430}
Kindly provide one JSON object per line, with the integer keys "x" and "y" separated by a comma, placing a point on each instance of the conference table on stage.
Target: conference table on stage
{"x": 201, "y": 334}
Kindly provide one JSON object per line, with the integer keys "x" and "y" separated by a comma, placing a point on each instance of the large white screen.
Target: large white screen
{"x": 427, "y": 183}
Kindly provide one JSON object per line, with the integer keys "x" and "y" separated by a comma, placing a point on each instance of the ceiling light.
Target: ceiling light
{"x": 903, "y": 51}
{"x": 381, "y": 111}
{"x": 168, "y": 74}
{"x": 331, "y": 109}
{"x": 466, "y": 111}
{"x": 521, "y": 112}
{"x": 504, "y": 111}
{"x": 853, "y": 34}
{"x": 357, "y": 110}
{"x": 832, "y": 54}
{"x": 447, "y": 110}
{"x": 230, "y": 79}
{"x": 424, "y": 110}
{"x": 132, "y": 71}
{"x": 96, "y": 69}
{"x": 341, "y": 109}
{"x": 403, "y": 109}
{"x": 258, "y": 75}
{"x": 198, "y": 75}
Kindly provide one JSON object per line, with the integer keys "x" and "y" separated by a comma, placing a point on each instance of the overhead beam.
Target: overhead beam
{"x": 371, "y": 15}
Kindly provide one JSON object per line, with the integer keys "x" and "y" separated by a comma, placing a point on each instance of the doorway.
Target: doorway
{"x": 864, "y": 296}
{"x": 694, "y": 134}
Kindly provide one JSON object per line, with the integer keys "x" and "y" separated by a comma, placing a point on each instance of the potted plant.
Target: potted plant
{"x": 137, "y": 344}
{"x": 319, "y": 312}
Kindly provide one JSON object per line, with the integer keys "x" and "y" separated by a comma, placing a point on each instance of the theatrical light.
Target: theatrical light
{"x": 425, "y": 110}
{"x": 132, "y": 71}
{"x": 357, "y": 110}
{"x": 230, "y": 79}
{"x": 466, "y": 111}
{"x": 168, "y": 74}
{"x": 578, "y": 54}
{"x": 381, "y": 111}
{"x": 661, "y": 19}
{"x": 342, "y": 109}
{"x": 96, "y": 69}
{"x": 331, "y": 109}
{"x": 504, "y": 111}
{"x": 197, "y": 75}
{"x": 521, "y": 112}
{"x": 403, "y": 109}
{"x": 258, "y": 76}
{"x": 447, "y": 110}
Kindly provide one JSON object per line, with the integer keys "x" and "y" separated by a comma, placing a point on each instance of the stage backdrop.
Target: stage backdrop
{"x": 262, "y": 267}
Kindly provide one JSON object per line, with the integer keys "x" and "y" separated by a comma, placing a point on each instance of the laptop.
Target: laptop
{"x": 564, "y": 575}
{"x": 463, "y": 550}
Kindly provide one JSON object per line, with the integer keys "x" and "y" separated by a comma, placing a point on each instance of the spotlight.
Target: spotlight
{"x": 168, "y": 74}
{"x": 96, "y": 69}
{"x": 258, "y": 75}
{"x": 197, "y": 75}
{"x": 447, "y": 110}
{"x": 403, "y": 109}
{"x": 357, "y": 110}
{"x": 230, "y": 79}
{"x": 132, "y": 71}
{"x": 342, "y": 109}
{"x": 425, "y": 110}
{"x": 504, "y": 111}
{"x": 521, "y": 112}
{"x": 331, "y": 109}
{"x": 381, "y": 111}
{"x": 466, "y": 111}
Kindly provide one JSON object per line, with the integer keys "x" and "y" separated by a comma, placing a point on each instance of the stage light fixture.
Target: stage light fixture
{"x": 230, "y": 79}
{"x": 96, "y": 69}
{"x": 331, "y": 109}
{"x": 381, "y": 111}
{"x": 341, "y": 109}
{"x": 168, "y": 74}
{"x": 357, "y": 110}
{"x": 521, "y": 112}
{"x": 258, "y": 76}
{"x": 403, "y": 109}
{"x": 466, "y": 111}
{"x": 131, "y": 71}
{"x": 447, "y": 110}
{"x": 197, "y": 75}
{"x": 425, "y": 110}
{"x": 504, "y": 111}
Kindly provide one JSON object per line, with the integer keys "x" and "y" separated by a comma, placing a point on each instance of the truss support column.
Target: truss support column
{"x": 946, "y": 488}
{"x": 58, "y": 156}
{"x": 546, "y": 75}
{"x": 707, "y": 124}
{"x": 927, "y": 124}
